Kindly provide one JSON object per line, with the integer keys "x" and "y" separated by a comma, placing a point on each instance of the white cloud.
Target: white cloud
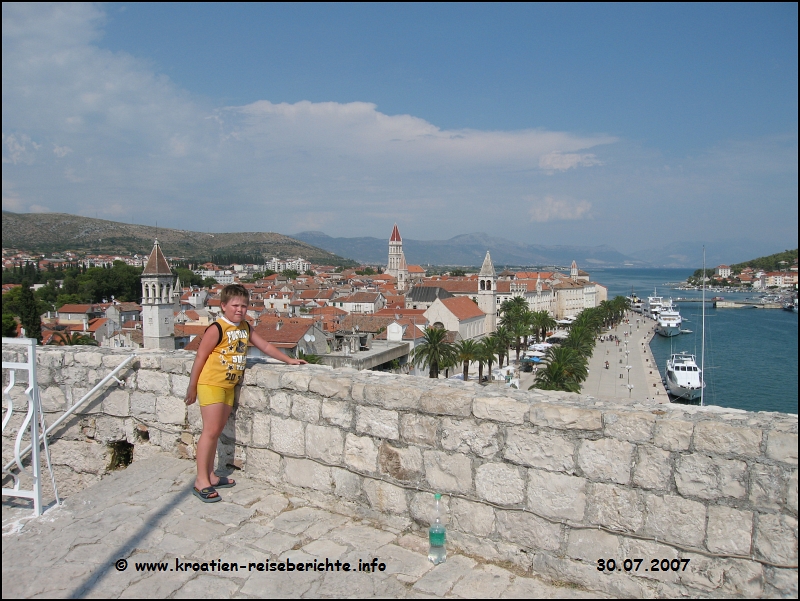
{"x": 61, "y": 151}
{"x": 19, "y": 148}
{"x": 559, "y": 161}
{"x": 551, "y": 209}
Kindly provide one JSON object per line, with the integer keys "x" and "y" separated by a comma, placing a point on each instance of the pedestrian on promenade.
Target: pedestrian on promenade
{"x": 217, "y": 372}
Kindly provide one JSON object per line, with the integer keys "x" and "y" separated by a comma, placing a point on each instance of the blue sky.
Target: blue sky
{"x": 630, "y": 125}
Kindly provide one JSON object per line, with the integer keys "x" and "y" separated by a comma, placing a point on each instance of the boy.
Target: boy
{"x": 217, "y": 370}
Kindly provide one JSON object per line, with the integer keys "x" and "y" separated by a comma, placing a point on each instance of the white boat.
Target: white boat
{"x": 684, "y": 379}
{"x": 669, "y": 320}
{"x": 635, "y": 302}
{"x": 652, "y": 307}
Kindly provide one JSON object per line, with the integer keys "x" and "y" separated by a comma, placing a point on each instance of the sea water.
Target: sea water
{"x": 751, "y": 354}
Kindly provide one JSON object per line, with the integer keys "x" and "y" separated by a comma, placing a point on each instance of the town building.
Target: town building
{"x": 158, "y": 317}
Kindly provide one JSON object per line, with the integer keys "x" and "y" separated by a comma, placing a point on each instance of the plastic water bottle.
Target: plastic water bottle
{"x": 436, "y": 536}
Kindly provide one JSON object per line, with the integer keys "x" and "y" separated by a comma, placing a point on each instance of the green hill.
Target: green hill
{"x": 774, "y": 262}
{"x": 58, "y": 232}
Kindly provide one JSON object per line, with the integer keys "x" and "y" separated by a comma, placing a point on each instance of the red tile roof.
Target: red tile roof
{"x": 395, "y": 235}
{"x": 462, "y": 307}
{"x": 156, "y": 263}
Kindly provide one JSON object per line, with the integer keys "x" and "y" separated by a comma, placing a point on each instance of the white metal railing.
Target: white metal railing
{"x": 34, "y": 421}
{"x": 39, "y": 430}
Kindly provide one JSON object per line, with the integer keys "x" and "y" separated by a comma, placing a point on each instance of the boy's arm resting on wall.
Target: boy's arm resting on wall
{"x": 207, "y": 345}
{"x": 271, "y": 351}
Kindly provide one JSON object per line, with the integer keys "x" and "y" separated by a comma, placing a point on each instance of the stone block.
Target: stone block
{"x": 674, "y": 519}
{"x": 423, "y": 509}
{"x": 253, "y": 398}
{"x": 766, "y": 486}
{"x": 614, "y": 507}
{"x": 308, "y": 474}
{"x": 194, "y": 417}
{"x": 723, "y": 577}
{"x": 360, "y": 453}
{"x": 776, "y": 538}
{"x": 500, "y": 483}
{"x": 89, "y": 359}
{"x": 172, "y": 365}
{"x": 545, "y": 450}
{"x": 260, "y": 430}
{"x": 143, "y": 403}
{"x": 606, "y": 459}
{"x": 673, "y": 435}
{"x": 563, "y": 417}
{"x": 325, "y": 443}
{"x": 263, "y": 464}
{"x": 633, "y": 426}
{"x": 179, "y": 384}
{"x": 399, "y": 463}
{"x": 468, "y": 435}
{"x": 448, "y": 473}
{"x": 280, "y": 403}
{"x": 44, "y": 376}
{"x": 53, "y": 399}
{"x": 305, "y": 409}
{"x": 149, "y": 360}
{"x": 591, "y": 545}
{"x": 500, "y": 409}
{"x": 242, "y": 428}
{"x": 116, "y": 402}
{"x": 724, "y": 439}
{"x": 287, "y": 436}
{"x": 109, "y": 429}
{"x": 418, "y": 429}
{"x": 385, "y": 497}
{"x": 647, "y": 550}
{"x": 653, "y": 468}
{"x": 791, "y": 492}
{"x": 330, "y": 386}
{"x": 338, "y": 413}
{"x": 779, "y": 583}
{"x": 151, "y": 381}
{"x": 710, "y": 478}
{"x": 391, "y": 395}
{"x": 782, "y": 446}
{"x": 296, "y": 379}
{"x": 378, "y": 422}
{"x": 729, "y": 530}
{"x": 526, "y": 529}
{"x": 81, "y": 457}
{"x": 346, "y": 484}
{"x": 472, "y": 518}
{"x": 556, "y": 496}
{"x": 170, "y": 410}
{"x": 447, "y": 400}
{"x": 266, "y": 377}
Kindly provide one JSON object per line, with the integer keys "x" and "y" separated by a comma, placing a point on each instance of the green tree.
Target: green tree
{"x": 290, "y": 274}
{"x": 66, "y": 338}
{"x": 466, "y": 352}
{"x": 542, "y": 322}
{"x": 9, "y": 326}
{"x": 564, "y": 370}
{"x": 486, "y": 354}
{"x": 209, "y": 282}
{"x": 29, "y": 315}
{"x": 434, "y": 352}
{"x": 188, "y": 277}
{"x": 310, "y": 357}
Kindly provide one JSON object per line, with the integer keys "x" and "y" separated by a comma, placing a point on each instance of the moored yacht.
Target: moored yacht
{"x": 652, "y": 307}
{"x": 669, "y": 320}
{"x": 635, "y": 302}
{"x": 684, "y": 379}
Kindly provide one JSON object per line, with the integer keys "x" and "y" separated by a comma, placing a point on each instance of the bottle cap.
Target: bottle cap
{"x": 437, "y": 496}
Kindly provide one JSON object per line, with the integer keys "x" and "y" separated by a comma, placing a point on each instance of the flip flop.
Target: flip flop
{"x": 205, "y": 494}
{"x": 224, "y": 482}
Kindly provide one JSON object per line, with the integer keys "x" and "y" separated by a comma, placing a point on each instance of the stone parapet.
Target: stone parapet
{"x": 548, "y": 481}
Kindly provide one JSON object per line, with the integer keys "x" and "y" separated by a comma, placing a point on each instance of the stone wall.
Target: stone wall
{"x": 550, "y": 482}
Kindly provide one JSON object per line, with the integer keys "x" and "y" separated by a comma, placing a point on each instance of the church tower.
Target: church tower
{"x": 158, "y": 318}
{"x": 487, "y": 293}
{"x": 396, "y": 266}
{"x": 573, "y": 271}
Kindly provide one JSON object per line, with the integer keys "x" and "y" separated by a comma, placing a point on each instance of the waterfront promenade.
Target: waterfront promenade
{"x": 612, "y": 383}
{"x": 146, "y": 514}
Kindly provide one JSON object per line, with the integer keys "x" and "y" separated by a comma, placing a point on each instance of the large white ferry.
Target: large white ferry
{"x": 684, "y": 379}
{"x": 669, "y": 320}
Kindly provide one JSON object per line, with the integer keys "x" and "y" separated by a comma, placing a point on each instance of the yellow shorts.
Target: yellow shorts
{"x": 211, "y": 395}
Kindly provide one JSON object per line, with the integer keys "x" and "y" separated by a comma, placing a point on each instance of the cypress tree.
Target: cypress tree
{"x": 29, "y": 314}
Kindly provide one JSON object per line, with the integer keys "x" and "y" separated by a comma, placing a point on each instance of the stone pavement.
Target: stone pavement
{"x": 612, "y": 383}
{"x": 146, "y": 514}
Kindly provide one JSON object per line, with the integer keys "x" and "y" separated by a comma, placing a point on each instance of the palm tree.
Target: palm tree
{"x": 466, "y": 352}
{"x": 582, "y": 339}
{"x": 486, "y": 351}
{"x": 434, "y": 351}
{"x": 310, "y": 358}
{"x": 519, "y": 329}
{"x": 503, "y": 339}
{"x": 565, "y": 370}
{"x": 67, "y": 338}
{"x": 542, "y": 323}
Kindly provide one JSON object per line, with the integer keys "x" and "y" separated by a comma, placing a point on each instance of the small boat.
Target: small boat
{"x": 684, "y": 379}
{"x": 652, "y": 307}
{"x": 634, "y": 302}
{"x": 669, "y": 320}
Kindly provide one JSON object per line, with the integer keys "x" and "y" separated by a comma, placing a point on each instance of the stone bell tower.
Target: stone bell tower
{"x": 158, "y": 317}
{"x": 487, "y": 293}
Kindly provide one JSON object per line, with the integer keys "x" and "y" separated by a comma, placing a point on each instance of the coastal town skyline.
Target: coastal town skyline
{"x": 545, "y": 125}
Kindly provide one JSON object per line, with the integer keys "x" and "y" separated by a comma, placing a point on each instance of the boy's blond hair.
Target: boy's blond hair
{"x": 232, "y": 291}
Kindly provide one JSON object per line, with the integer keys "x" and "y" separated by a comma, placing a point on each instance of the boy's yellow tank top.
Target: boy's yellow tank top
{"x": 225, "y": 365}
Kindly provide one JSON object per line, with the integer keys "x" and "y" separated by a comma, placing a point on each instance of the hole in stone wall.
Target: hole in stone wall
{"x": 141, "y": 433}
{"x": 121, "y": 455}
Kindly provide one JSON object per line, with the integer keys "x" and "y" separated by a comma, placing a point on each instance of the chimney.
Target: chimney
{"x": 278, "y": 325}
